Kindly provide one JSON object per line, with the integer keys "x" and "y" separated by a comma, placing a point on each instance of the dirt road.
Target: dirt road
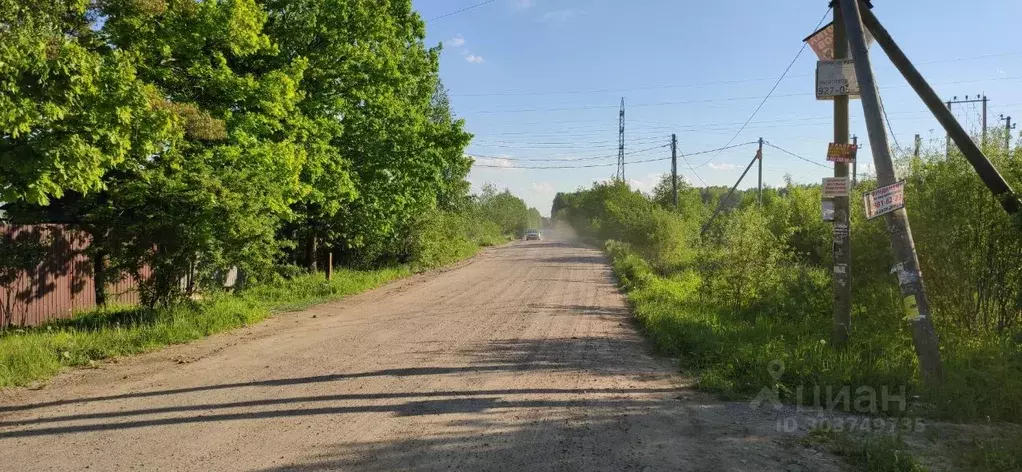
{"x": 524, "y": 358}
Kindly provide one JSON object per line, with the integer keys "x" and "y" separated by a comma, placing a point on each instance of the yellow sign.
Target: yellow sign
{"x": 911, "y": 308}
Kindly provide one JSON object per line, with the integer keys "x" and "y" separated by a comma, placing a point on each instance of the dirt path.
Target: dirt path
{"x": 524, "y": 358}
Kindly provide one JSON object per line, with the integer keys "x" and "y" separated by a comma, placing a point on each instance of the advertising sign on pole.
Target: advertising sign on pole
{"x": 822, "y": 41}
{"x": 841, "y": 152}
{"x": 835, "y": 187}
{"x": 884, "y": 199}
{"x": 836, "y": 78}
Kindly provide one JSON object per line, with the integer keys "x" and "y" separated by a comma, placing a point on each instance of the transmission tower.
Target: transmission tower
{"x": 621, "y": 142}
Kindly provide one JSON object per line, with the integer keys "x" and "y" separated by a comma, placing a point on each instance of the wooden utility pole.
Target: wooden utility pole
{"x": 916, "y": 305}
{"x": 842, "y": 250}
{"x": 674, "y": 170}
{"x": 759, "y": 156}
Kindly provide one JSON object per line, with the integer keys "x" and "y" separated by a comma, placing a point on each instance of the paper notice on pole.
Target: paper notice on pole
{"x": 827, "y": 208}
{"x": 835, "y": 187}
{"x": 841, "y": 152}
{"x": 884, "y": 199}
{"x": 836, "y": 78}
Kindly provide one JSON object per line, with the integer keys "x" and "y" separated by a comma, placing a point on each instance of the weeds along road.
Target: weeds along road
{"x": 523, "y": 358}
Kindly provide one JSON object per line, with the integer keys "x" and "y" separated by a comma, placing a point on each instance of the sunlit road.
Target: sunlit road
{"x": 524, "y": 358}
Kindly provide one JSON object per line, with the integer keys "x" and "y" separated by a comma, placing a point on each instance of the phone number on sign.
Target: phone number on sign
{"x": 851, "y": 424}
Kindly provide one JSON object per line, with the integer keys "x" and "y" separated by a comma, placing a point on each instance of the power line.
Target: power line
{"x": 772, "y": 89}
{"x": 704, "y": 84}
{"x": 794, "y": 155}
{"x": 585, "y": 166}
{"x": 445, "y": 15}
{"x": 693, "y": 169}
{"x": 716, "y": 100}
{"x": 565, "y": 160}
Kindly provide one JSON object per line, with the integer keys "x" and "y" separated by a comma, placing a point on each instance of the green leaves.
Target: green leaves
{"x": 192, "y": 136}
{"x": 70, "y": 111}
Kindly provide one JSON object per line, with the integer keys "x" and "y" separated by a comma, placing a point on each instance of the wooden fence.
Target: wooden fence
{"x": 61, "y": 285}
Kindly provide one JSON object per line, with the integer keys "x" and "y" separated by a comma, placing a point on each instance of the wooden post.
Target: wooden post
{"x": 916, "y": 304}
{"x": 842, "y": 237}
{"x": 329, "y": 265}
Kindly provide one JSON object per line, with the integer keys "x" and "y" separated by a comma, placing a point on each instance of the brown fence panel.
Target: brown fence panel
{"x": 62, "y": 284}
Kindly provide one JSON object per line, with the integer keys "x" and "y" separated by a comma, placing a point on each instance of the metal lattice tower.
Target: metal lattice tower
{"x": 621, "y": 142}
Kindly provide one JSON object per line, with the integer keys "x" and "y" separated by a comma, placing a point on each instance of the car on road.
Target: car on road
{"x": 533, "y": 235}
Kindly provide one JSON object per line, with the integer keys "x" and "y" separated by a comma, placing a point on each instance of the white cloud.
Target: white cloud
{"x": 525, "y": 3}
{"x": 647, "y": 184}
{"x": 559, "y": 15}
{"x": 474, "y": 59}
{"x": 723, "y": 166}
{"x": 543, "y": 188}
{"x": 457, "y": 41}
{"x": 494, "y": 162}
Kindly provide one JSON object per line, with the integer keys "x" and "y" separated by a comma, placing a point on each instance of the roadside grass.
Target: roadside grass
{"x": 737, "y": 353}
{"x": 882, "y": 453}
{"x": 1001, "y": 454}
{"x": 28, "y": 355}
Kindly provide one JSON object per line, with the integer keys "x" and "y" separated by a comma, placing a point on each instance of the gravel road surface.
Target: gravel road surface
{"x": 523, "y": 358}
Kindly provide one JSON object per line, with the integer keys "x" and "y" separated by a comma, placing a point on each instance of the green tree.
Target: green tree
{"x": 71, "y": 108}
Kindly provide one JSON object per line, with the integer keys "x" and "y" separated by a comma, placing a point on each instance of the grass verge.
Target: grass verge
{"x": 29, "y": 355}
{"x": 868, "y": 453}
{"x": 783, "y": 343}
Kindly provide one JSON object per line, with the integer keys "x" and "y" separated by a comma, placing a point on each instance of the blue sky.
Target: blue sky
{"x": 542, "y": 80}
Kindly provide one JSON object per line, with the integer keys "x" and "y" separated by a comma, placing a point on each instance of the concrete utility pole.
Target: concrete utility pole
{"x": 917, "y": 306}
{"x": 842, "y": 249}
{"x": 918, "y": 144}
{"x": 674, "y": 170}
{"x": 1008, "y": 126}
{"x": 759, "y": 156}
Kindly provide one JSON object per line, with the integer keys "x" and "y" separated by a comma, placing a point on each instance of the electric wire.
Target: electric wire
{"x": 445, "y": 15}
{"x": 592, "y": 158}
{"x": 768, "y": 143}
{"x": 772, "y": 89}
{"x": 585, "y": 166}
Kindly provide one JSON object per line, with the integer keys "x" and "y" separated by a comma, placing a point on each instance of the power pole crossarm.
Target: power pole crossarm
{"x": 987, "y": 173}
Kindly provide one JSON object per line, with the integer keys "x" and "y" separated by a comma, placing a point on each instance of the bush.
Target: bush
{"x": 756, "y": 289}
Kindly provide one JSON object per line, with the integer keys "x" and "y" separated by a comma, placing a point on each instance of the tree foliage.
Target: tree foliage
{"x": 190, "y": 137}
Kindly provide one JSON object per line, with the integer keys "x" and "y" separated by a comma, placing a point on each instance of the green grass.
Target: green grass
{"x": 732, "y": 351}
{"x": 1002, "y": 454}
{"x": 29, "y": 355}
{"x": 867, "y": 453}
